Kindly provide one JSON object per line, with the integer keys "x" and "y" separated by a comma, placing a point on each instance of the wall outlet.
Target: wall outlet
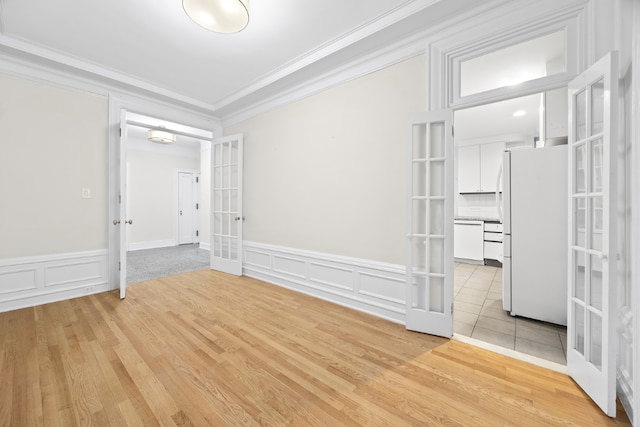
{"x": 86, "y": 193}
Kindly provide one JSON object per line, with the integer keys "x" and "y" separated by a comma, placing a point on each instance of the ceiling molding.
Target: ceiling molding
{"x": 330, "y": 47}
{"x": 100, "y": 73}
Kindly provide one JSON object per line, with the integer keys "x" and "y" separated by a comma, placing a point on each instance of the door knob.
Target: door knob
{"x": 129, "y": 222}
{"x": 116, "y": 222}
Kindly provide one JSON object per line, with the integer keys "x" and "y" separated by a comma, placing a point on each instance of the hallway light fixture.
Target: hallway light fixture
{"x": 220, "y": 16}
{"x": 161, "y": 136}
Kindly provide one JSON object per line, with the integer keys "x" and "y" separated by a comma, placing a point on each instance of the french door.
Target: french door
{"x": 226, "y": 205}
{"x": 429, "y": 295}
{"x": 121, "y": 222}
{"x": 591, "y": 331}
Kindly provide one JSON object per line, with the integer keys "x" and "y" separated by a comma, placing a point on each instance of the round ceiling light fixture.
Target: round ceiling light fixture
{"x": 220, "y": 16}
{"x": 161, "y": 136}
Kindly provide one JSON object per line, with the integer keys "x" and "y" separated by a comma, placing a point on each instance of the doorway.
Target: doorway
{"x": 163, "y": 199}
{"x": 482, "y": 136}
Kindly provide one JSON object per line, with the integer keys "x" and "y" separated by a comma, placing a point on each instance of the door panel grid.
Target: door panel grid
{"x": 226, "y": 196}
{"x": 429, "y": 273}
{"x": 591, "y": 329}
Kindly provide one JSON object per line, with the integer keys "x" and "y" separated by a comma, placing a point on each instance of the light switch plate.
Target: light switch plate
{"x": 86, "y": 193}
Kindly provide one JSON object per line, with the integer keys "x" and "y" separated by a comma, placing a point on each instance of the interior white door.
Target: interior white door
{"x": 120, "y": 222}
{"x": 591, "y": 331}
{"x": 186, "y": 208}
{"x": 429, "y": 297}
{"x": 226, "y": 205}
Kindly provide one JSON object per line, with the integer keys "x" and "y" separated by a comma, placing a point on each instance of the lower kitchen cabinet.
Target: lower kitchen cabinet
{"x": 468, "y": 240}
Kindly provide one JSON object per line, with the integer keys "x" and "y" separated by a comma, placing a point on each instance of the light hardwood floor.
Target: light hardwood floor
{"x": 204, "y": 348}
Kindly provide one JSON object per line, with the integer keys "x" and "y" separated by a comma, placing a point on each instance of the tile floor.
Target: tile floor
{"x": 478, "y": 314}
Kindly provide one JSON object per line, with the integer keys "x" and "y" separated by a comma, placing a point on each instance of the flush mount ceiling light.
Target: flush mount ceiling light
{"x": 161, "y": 136}
{"x": 519, "y": 113}
{"x": 221, "y": 16}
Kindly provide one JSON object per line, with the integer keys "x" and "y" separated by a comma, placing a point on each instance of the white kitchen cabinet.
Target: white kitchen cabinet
{"x": 478, "y": 167}
{"x": 468, "y": 240}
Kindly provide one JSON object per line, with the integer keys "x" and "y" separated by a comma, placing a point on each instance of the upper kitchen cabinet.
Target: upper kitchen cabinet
{"x": 478, "y": 167}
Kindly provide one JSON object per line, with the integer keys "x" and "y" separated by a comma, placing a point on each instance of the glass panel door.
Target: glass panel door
{"x": 430, "y": 224}
{"x": 226, "y": 205}
{"x": 591, "y": 330}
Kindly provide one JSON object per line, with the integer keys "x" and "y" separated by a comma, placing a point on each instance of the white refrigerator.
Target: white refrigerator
{"x": 535, "y": 197}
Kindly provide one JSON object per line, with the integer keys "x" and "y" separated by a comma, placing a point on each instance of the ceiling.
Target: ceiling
{"x": 151, "y": 45}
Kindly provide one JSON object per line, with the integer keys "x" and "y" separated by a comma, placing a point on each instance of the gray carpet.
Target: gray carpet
{"x": 150, "y": 264}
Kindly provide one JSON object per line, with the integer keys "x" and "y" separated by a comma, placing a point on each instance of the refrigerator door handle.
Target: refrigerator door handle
{"x": 498, "y": 204}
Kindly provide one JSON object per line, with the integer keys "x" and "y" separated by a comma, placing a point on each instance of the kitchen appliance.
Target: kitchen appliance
{"x": 535, "y": 245}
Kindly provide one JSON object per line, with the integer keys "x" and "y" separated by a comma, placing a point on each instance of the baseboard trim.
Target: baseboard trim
{"x": 373, "y": 287}
{"x": 31, "y": 281}
{"x": 138, "y": 246}
{"x": 206, "y": 246}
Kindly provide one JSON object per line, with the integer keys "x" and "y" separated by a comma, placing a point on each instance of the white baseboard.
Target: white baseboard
{"x": 373, "y": 287}
{"x": 205, "y": 245}
{"x": 151, "y": 244}
{"x": 26, "y": 282}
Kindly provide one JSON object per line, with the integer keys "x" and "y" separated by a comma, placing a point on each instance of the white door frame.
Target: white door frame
{"x": 196, "y": 201}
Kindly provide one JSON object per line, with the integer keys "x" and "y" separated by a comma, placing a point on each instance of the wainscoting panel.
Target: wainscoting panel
{"x": 26, "y": 282}
{"x": 372, "y": 287}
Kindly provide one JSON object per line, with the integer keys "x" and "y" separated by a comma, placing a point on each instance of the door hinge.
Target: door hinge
{"x": 119, "y": 266}
{"x": 452, "y": 309}
{"x": 120, "y": 198}
{"x": 197, "y": 233}
{"x": 197, "y": 206}
{"x": 120, "y": 131}
{"x": 197, "y": 179}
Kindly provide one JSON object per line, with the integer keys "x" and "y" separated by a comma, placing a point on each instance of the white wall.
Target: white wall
{"x": 54, "y": 143}
{"x": 153, "y": 196}
{"x": 327, "y": 173}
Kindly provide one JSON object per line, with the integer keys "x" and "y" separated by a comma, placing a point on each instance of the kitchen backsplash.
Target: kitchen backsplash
{"x": 477, "y": 206}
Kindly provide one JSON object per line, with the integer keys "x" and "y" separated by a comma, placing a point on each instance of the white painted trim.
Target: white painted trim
{"x": 547, "y": 364}
{"x": 205, "y": 245}
{"x": 49, "y": 278}
{"x": 153, "y": 244}
{"x": 373, "y": 287}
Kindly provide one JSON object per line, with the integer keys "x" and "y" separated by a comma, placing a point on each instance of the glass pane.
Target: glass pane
{"x": 419, "y": 216}
{"x": 420, "y": 254}
{"x": 436, "y": 178}
{"x": 579, "y": 328}
{"x": 595, "y": 334}
{"x": 596, "y": 220}
{"x": 436, "y": 140}
{"x": 225, "y": 224}
{"x": 217, "y": 178}
{"x": 234, "y": 153}
{"x": 419, "y": 187}
{"x": 225, "y": 153}
{"x": 436, "y": 294}
{"x": 226, "y": 200}
{"x": 226, "y": 178}
{"x": 233, "y": 179}
{"x": 580, "y": 223}
{"x": 217, "y": 223}
{"x": 540, "y": 57}
{"x": 436, "y": 215}
{"x": 595, "y": 285}
{"x": 581, "y": 115}
{"x": 596, "y": 165}
{"x": 233, "y": 195}
{"x": 419, "y": 142}
{"x": 225, "y": 248}
{"x": 217, "y": 155}
{"x": 217, "y": 246}
{"x": 217, "y": 200}
{"x": 579, "y": 269}
{"x": 580, "y": 157}
{"x": 597, "y": 107}
{"x": 419, "y": 288}
{"x": 436, "y": 256}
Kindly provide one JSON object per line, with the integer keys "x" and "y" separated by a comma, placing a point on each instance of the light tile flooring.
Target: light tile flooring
{"x": 478, "y": 313}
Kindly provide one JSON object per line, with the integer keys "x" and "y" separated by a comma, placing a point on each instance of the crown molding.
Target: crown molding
{"x": 103, "y": 75}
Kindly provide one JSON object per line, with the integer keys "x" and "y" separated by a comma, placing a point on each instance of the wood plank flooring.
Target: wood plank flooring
{"x": 204, "y": 348}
